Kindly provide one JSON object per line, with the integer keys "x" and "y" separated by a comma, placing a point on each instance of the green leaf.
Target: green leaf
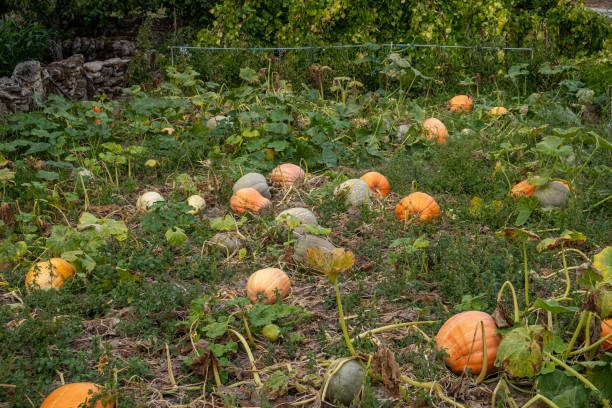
{"x": 520, "y": 351}
{"x": 277, "y": 127}
{"x": 552, "y": 145}
{"x": 278, "y": 145}
{"x": 248, "y": 75}
{"x": 554, "y": 306}
{"x": 525, "y": 206}
{"x": 603, "y": 262}
{"x": 563, "y": 390}
{"x": 330, "y": 263}
{"x": 87, "y": 218}
{"x": 224, "y": 224}
{"x": 176, "y": 236}
{"x": 219, "y": 350}
{"x": 600, "y": 377}
{"x": 280, "y": 116}
{"x": 316, "y": 229}
{"x": 47, "y": 175}
{"x": 6, "y": 175}
{"x": 215, "y": 329}
{"x": 113, "y": 147}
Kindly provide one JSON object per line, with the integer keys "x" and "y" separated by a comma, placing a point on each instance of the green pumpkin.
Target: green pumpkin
{"x": 345, "y": 384}
{"x": 552, "y": 194}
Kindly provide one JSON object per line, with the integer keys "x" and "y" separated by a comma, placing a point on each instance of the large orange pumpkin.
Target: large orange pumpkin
{"x": 268, "y": 282}
{"x": 287, "y": 174}
{"x": 248, "y": 199}
{"x": 417, "y": 203}
{"x": 48, "y": 274}
{"x": 606, "y": 328}
{"x": 377, "y": 183}
{"x": 461, "y": 103}
{"x": 456, "y": 336}
{"x": 76, "y": 395}
{"x": 435, "y": 130}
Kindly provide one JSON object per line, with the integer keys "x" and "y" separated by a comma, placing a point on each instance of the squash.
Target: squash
{"x": 377, "y": 183}
{"x": 417, "y": 203}
{"x": 267, "y": 283}
{"x": 552, "y": 194}
{"x": 523, "y": 189}
{"x": 354, "y": 192}
{"x": 606, "y": 328}
{"x": 49, "y": 274}
{"x": 461, "y": 103}
{"x": 227, "y": 243}
{"x": 435, "y": 130}
{"x": 310, "y": 241}
{"x": 248, "y": 199}
{"x": 146, "y": 200}
{"x": 303, "y": 214}
{"x": 76, "y": 395}
{"x": 456, "y": 337}
{"x": 197, "y": 202}
{"x": 344, "y": 384}
{"x": 253, "y": 180}
{"x": 212, "y": 123}
{"x": 498, "y": 110}
{"x": 287, "y": 174}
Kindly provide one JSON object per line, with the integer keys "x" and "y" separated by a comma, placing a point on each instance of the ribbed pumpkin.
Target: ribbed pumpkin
{"x": 267, "y": 283}
{"x": 606, "y": 328}
{"x": 457, "y": 335}
{"x": 461, "y": 103}
{"x": 253, "y": 180}
{"x": 417, "y": 203}
{"x": 287, "y": 174}
{"x": 377, "y": 183}
{"x": 147, "y": 200}
{"x": 435, "y": 130}
{"x": 498, "y": 110}
{"x": 248, "y": 199}
{"x": 49, "y": 274}
{"x": 76, "y": 395}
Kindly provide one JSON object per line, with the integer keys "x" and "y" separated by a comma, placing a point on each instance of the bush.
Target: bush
{"x": 21, "y": 42}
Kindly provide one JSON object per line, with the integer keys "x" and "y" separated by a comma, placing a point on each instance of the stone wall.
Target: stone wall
{"x": 99, "y": 48}
{"x": 71, "y": 78}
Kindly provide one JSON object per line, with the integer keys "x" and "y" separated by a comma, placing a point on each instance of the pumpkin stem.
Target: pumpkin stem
{"x": 514, "y": 300}
{"x": 342, "y": 322}
{"x": 249, "y": 355}
{"x": 526, "y": 275}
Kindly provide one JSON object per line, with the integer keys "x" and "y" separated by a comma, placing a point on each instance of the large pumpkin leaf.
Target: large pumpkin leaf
{"x": 563, "y": 390}
{"x": 566, "y": 236}
{"x": 603, "y": 262}
{"x": 520, "y": 351}
{"x": 554, "y": 306}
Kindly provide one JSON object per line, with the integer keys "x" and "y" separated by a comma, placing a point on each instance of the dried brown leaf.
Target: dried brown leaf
{"x": 384, "y": 365}
{"x": 501, "y": 317}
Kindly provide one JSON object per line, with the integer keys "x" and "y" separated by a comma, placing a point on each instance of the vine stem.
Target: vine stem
{"x": 514, "y": 300}
{"x": 342, "y": 322}
{"x": 526, "y": 276}
{"x": 542, "y": 398}
{"x": 434, "y": 386}
{"x": 485, "y": 357}
{"x": 391, "y": 327}
{"x": 249, "y": 354}
{"x": 591, "y": 346}
{"x": 568, "y": 283}
{"x": 569, "y": 348}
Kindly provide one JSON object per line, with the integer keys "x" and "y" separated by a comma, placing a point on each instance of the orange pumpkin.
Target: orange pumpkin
{"x": 435, "y": 130}
{"x": 377, "y": 183}
{"x": 461, "y": 337}
{"x": 417, "y": 203}
{"x": 606, "y": 328}
{"x": 287, "y": 174}
{"x": 268, "y": 282}
{"x": 248, "y": 199}
{"x": 49, "y": 274}
{"x": 523, "y": 189}
{"x": 76, "y": 395}
{"x": 498, "y": 110}
{"x": 461, "y": 103}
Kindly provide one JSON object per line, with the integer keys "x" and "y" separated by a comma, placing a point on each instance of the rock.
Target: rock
{"x": 93, "y": 66}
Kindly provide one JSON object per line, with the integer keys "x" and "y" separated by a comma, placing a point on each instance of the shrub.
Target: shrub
{"x": 21, "y": 42}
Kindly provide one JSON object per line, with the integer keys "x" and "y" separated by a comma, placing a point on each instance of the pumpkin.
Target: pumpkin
{"x": 435, "y": 130}
{"x": 456, "y": 337}
{"x": 147, "y": 200}
{"x": 212, "y": 123}
{"x": 377, "y": 183}
{"x": 417, "y": 203}
{"x": 606, "y": 328}
{"x": 226, "y": 242}
{"x": 248, "y": 199}
{"x": 523, "y": 189}
{"x": 76, "y": 395}
{"x": 310, "y": 241}
{"x": 354, "y": 192}
{"x": 253, "y": 180}
{"x": 344, "y": 384}
{"x": 461, "y": 103}
{"x": 287, "y": 174}
{"x": 267, "y": 283}
{"x": 197, "y": 202}
{"x": 552, "y": 194}
{"x": 49, "y": 274}
{"x": 498, "y": 110}
{"x": 303, "y": 214}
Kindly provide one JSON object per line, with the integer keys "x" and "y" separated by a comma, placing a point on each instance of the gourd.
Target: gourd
{"x": 552, "y": 194}
{"x": 146, "y": 200}
{"x": 76, "y": 395}
{"x": 523, "y": 189}
{"x": 253, "y": 180}
{"x": 49, "y": 274}
{"x": 461, "y": 103}
{"x": 456, "y": 337}
{"x": 300, "y": 250}
{"x": 248, "y": 199}
{"x": 197, "y": 202}
{"x": 226, "y": 242}
{"x": 498, "y": 110}
{"x": 435, "y": 130}
{"x": 354, "y": 191}
{"x": 377, "y": 183}
{"x": 606, "y": 328}
{"x": 287, "y": 174}
{"x": 303, "y": 214}
{"x": 417, "y": 204}
{"x": 344, "y": 384}
{"x": 267, "y": 283}
{"x": 212, "y": 123}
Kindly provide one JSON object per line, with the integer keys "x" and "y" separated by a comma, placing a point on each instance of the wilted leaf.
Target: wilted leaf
{"x": 521, "y": 233}
{"x": 603, "y": 262}
{"x": 330, "y": 263}
{"x": 384, "y": 365}
{"x": 520, "y": 351}
{"x": 565, "y": 237}
{"x": 276, "y": 385}
{"x": 501, "y": 317}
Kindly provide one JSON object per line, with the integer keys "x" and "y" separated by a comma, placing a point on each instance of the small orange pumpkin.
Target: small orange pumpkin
{"x": 523, "y": 189}
{"x": 377, "y": 183}
{"x": 76, "y": 395}
{"x": 417, "y": 203}
{"x": 498, "y": 110}
{"x": 461, "y": 103}
{"x": 248, "y": 199}
{"x": 268, "y": 282}
{"x": 461, "y": 337}
{"x": 287, "y": 174}
{"x": 435, "y": 130}
{"x": 48, "y": 274}
{"x": 606, "y": 328}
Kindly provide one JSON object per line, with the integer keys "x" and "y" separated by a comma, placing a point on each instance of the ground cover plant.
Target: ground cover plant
{"x": 464, "y": 263}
